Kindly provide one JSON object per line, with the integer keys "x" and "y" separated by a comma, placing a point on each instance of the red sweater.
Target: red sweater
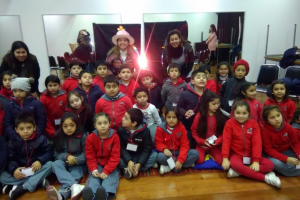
{"x": 233, "y": 139}
{"x": 6, "y": 93}
{"x": 55, "y": 108}
{"x": 115, "y": 108}
{"x": 99, "y": 81}
{"x": 211, "y": 130}
{"x": 210, "y": 84}
{"x": 129, "y": 89}
{"x": 70, "y": 84}
{"x": 105, "y": 152}
{"x": 218, "y": 89}
{"x": 275, "y": 142}
{"x": 176, "y": 141}
{"x": 287, "y": 107}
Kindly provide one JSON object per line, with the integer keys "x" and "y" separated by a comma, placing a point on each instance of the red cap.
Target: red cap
{"x": 241, "y": 62}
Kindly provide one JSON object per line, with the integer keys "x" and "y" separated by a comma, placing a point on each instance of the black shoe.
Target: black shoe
{"x": 100, "y": 193}
{"x": 6, "y": 189}
{"x": 16, "y": 192}
{"x": 45, "y": 183}
{"x": 87, "y": 193}
{"x": 127, "y": 173}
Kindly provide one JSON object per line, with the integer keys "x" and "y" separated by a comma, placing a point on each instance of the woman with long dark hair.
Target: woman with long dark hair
{"x": 212, "y": 42}
{"x": 22, "y": 63}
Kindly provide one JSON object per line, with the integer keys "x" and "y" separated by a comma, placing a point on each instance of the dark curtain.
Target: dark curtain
{"x": 104, "y": 32}
{"x": 158, "y": 32}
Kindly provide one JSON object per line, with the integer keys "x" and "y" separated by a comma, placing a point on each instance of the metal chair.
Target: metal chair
{"x": 267, "y": 74}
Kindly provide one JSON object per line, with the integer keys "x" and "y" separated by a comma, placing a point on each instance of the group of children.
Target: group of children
{"x": 111, "y": 125}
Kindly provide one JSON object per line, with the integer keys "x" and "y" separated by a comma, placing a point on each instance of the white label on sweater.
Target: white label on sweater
{"x": 57, "y": 121}
{"x": 246, "y": 160}
{"x": 211, "y": 139}
{"x": 171, "y": 163}
{"x": 27, "y": 171}
{"x": 131, "y": 147}
{"x": 230, "y": 102}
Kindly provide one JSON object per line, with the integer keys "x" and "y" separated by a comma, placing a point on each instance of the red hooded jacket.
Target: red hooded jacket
{"x": 115, "y": 107}
{"x": 211, "y": 130}
{"x": 99, "y": 81}
{"x": 210, "y": 84}
{"x": 105, "y": 152}
{"x": 275, "y": 142}
{"x": 129, "y": 89}
{"x": 177, "y": 140}
{"x": 70, "y": 84}
{"x": 6, "y": 93}
{"x": 287, "y": 107}
{"x": 233, "y": 139}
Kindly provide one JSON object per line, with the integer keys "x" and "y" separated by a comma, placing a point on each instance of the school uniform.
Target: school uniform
{"x": 63, "y": 147}
{"x": 103, "y": 155}
{"x": 115, "y": 107}
{"x": 210, "y": 84}
{"x": 23, "y": 153}
{"x": 69, "y": 84}
{"x": 155, "y": 96}
{"x": 235, "y": 149}
{"x": 214, "y": 150}
{"x": 86, "y": 117}
{"x": 99, "y": 81}
{"x": 5, "y": 96}
{"x": 143, "y": 154}
{"x": 170, "y": 92}
{"x": 219, "y": 84}
{"x": 296, "y": 126}
{"x": 177, "y": 142}
{"x": 279, "y": 144}
{"x": 128, "y": 90}
{"x": 91, "y": 96}
{"x": 287, "y": 107}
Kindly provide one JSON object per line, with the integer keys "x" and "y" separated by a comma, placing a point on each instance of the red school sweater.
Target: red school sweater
{"x": 177, "y": 140}
{"x": 6, "y": 93}
{"x": 105, "y": 152}
{"x": 287, "y": 107}
{"x": 99, "y": 81}
{"x": 211, "y": 85}
{"x": 211, "y": 130}
{"x": 129, "y": 89}
{"x": 233, "y": 139}
{"x": 275, "y": 142}
{"x": 70, "y": 84}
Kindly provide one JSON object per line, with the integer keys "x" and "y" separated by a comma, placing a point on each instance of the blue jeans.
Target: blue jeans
{"x": 284, "y": 168}
{"x": 150, "y": 162}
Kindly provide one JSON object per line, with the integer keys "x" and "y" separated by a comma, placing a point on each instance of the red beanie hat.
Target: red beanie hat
{"x": 241, "y": 62}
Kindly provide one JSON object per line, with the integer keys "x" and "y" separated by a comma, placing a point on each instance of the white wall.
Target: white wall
{"x": 10, "y": 32}
{"x": 63, "y": 29}
{"x": 197, "y": 22}
{"x": 280, "y": 14}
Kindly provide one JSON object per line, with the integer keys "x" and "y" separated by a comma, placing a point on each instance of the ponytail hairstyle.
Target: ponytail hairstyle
{"x": 207, "y": 97}
{"x": 230, "y": 74}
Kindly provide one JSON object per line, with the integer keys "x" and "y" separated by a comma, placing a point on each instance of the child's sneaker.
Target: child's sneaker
{"x": 155, "y": 165}
{"x": 87, "y": 193}
{"x": 272, "y": 179}
{"x": 127, "y": 173}
{"x": 6, "y": 189}
{"x": 52, "y": 193}
{"x": 100, "y": 193}
{"x": 76, "y": 191}
{"x": 45, "y": 183}
{"x": 16, "y": 191}
{"x": 231, "y": 173}
{"x": 164, "y": 169}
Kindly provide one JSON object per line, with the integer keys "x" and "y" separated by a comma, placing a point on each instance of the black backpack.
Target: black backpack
{"x": 288, "y": 58}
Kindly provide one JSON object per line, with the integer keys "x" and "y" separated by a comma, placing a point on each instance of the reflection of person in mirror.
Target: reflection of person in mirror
{"x": 212, "y": 43}
{"x": 22, "y": 63}
{"x": 122, "y": 52}
{"x": 83, "y": 51}
{"x": 179, "y": 51}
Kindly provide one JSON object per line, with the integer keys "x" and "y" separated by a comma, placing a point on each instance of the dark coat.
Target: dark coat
{"x": 155, "y": 96}
{"x": 86, "y": 118}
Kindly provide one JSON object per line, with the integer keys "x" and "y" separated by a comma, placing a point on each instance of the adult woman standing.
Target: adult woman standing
{"x": 22, "y": 63}
{"x": 178, "y": 50}
{"x": 212, "y": 42}
{"x": 122, "y": 52}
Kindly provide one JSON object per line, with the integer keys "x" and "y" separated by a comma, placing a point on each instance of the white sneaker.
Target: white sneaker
{"x": 52, "y": 193}
{"x": 155, "y": 165}
{"x": 164, "y": 169}
{"x": 272, "y": 179}
{"x": 76, "y": 191}
{"x": 231, "y": 173}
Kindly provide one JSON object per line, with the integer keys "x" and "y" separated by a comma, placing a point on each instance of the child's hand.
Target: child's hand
{"x": 167, "y": 152}
{"x": 36, "y": 166}
{"x": 189, "y": 113}
{"x": 255, "y": 166}
{"x": 136, "y": 169}
{"x": 130, "y": 166}
{"x": 225, "y": 164}
{"x": 207, "y": 144}
{"x": 71, "y": 160}
{"x": 95, "y": 173}
{"x": 103, "y": 175}
{"x": 18, "y": 174}
{"x": 178, "y": 165}
{"x": 292, "y": 161}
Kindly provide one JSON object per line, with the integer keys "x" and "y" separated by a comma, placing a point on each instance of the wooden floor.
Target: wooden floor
{"x": 204, "y": 185}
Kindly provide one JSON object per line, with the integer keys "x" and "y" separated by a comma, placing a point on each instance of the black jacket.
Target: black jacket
{"x": 140, "y": 137}
{"x": 37, "y": 148}
{"x": 155, "y": 96}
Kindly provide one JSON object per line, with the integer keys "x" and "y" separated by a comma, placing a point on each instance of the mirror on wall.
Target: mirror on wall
{"x": 10, "y": 27}
{"x": 65, "y": 33}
